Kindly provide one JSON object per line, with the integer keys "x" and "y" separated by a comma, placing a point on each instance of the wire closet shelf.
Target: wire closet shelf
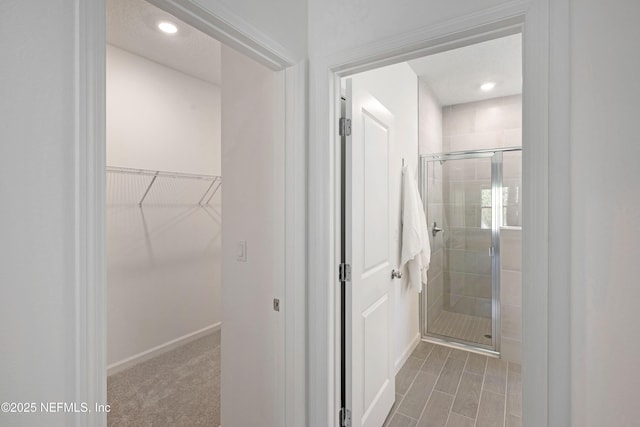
{"x": 143, "y": 187}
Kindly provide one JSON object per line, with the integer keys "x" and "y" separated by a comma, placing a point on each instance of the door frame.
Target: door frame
{"x": 546, "y": 127}
{"x": 89, "y": 287}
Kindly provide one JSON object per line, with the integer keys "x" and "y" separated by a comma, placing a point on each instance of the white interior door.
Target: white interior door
{"x": 370, "y": 251}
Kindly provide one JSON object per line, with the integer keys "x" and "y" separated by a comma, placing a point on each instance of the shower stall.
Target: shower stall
{"x": 467, "y": 200}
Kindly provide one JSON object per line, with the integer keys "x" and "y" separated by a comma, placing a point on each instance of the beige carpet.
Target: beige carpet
{"x": 178, "y": 388}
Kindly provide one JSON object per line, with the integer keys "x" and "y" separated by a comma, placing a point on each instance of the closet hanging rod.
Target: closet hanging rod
{"x": 150, "y": 172}
{"x": 215, "y": 181}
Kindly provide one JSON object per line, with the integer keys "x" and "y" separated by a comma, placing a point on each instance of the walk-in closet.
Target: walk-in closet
{"x": 164, "y": 219}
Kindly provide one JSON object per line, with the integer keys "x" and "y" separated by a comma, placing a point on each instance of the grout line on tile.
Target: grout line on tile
{"x": 484, "y": 375}
{"x": 434, "y": 384}
{"x": 412, "y": 381}
{"x": 457, "y": 388}
{"x": 506, "y": 396}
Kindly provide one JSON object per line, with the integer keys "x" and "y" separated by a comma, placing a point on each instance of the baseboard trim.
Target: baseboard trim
{"x": 121, "y": 365}
{"x": 407, "y": 352}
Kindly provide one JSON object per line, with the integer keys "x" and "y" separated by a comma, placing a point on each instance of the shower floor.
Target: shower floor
{"x": 462, "y": 326}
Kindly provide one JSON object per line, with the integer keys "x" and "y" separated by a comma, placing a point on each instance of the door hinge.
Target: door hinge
{"x": 345, "y": 126}
{"x": 345, "y": 417}
{"x": 344, "y": 273}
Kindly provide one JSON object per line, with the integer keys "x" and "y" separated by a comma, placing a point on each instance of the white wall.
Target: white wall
{"x": 605, "y": 212}
{"x": 336, "y": 25}
{"x": 396, "y": 87}
{"x": 37, "y": 264}
{"x": 253, "y": 211}
{"x": 430, "y": 119}
{"x": 163, "y": 260}
{"x": 160, "y": 118}
{"x": 163, "y": 276}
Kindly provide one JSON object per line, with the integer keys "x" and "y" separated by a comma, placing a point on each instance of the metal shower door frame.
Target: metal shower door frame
{"x": 496, "y": 222}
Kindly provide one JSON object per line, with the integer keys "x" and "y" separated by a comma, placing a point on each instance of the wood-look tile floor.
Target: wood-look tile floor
{"x": 444, "y": 387}
{"x": 462, "y": 326}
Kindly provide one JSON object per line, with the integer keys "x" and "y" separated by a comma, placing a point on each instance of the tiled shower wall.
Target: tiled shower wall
{"x": 491, "y": 123}
{"x": 511, "y": 261}
{"x": 511, "y": 294}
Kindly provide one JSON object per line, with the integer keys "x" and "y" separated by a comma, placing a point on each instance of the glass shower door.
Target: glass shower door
{"x": 459, "y": 303}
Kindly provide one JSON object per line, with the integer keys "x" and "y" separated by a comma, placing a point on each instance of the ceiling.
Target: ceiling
{"x": 132, "y": 25}
{"x": 455, "y": 76}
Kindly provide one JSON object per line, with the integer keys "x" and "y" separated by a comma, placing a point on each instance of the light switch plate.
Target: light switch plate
{"x": 241, "y": 251}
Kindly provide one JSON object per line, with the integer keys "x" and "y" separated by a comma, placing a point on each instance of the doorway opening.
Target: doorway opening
{"x": 168, "y": 148}
{"x": 431, "y": 159}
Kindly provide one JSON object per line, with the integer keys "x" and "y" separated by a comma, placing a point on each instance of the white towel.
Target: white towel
{"x": 416, "y": 250}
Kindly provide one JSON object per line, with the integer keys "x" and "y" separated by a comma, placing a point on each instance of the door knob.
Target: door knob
{"x": 395, "y": 274}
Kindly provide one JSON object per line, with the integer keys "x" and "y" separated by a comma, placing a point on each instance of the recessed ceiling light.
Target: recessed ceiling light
{"x": 167, "y": 27}
{"x": 487, "y": 86}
